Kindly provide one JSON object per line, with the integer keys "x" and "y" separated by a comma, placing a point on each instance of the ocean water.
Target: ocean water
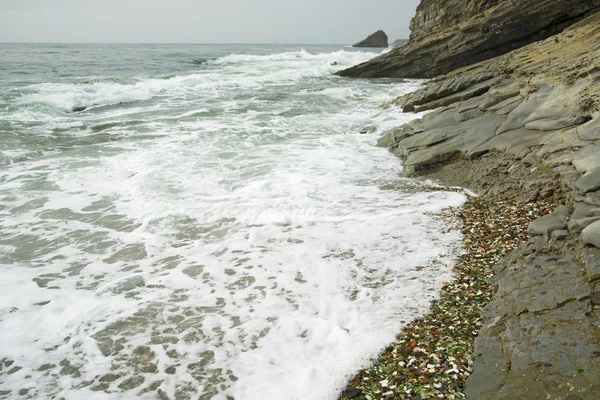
{"x": 204, "y": 221}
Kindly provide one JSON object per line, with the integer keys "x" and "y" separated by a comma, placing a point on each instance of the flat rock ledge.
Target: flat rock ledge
{"x": 526, "y": 126}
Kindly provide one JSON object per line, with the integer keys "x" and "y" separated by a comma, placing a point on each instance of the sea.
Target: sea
{"x": 205, "y": 222}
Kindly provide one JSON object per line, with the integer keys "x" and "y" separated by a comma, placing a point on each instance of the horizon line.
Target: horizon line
{"x": 190, "y": 43}
{"x": 200, "y": 43}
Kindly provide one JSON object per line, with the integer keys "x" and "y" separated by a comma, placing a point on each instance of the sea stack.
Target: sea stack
{"x": 377, "y": 39}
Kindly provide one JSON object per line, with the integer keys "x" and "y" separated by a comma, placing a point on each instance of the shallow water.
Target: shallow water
{"x": 203, "y": 221}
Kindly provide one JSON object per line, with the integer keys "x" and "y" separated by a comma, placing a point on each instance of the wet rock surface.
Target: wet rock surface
{"x": 540, "y": 333}
{"x": 525, "y": 127}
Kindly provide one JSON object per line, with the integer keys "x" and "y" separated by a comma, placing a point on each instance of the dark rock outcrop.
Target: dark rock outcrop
{"x": 377, "y": 39}
{"x": 525, "y": 126}
{"x": 447, "y": 35}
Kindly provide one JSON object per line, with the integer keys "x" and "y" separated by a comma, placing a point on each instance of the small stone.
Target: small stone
{"x": 352, "y": 392}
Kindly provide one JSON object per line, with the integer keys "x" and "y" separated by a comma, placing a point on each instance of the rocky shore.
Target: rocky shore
{"x": 523, "y": 131}
{"x": 432, "y": 357}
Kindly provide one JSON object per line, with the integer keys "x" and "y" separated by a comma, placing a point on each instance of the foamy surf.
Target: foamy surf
{"x": 224, "y": 232}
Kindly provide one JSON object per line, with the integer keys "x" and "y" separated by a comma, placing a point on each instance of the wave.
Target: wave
{"x": 240, "y": 70}
{"x": 343, "y": 57}
{"x": 69, "y": 97}
{"x": 201, "y": 61}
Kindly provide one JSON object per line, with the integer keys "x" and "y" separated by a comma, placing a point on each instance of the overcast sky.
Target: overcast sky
{"x": 202, "y": 21}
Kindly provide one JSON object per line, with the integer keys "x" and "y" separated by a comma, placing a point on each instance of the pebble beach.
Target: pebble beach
{"x": 432, "y": 357}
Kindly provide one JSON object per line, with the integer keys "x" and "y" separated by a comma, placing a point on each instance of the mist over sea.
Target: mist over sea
{"x": 204, "y": 221}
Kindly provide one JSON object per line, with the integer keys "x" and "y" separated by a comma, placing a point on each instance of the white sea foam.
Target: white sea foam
{"x": 236, "y": 240}
{"x": 257, "y": 70}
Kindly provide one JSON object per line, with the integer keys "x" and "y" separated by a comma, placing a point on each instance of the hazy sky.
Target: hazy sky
{"x": 202, "y": 21}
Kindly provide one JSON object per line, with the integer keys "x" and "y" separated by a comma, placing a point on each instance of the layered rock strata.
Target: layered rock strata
{"x": 526, "y": 126}
{"x": 451, "y": 34}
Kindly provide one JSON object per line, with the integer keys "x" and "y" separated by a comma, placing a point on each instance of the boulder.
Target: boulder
{"x": 548, "y": 224}
{"x": 589, "y": 182}
{"x": 577, "y": 225}
{"x": 591, "y": 234}
{"x": 377, "y": 39}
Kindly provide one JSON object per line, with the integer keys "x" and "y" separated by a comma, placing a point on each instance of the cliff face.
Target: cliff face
{"x": 447, "y": 35}
{"x": 435, "y": 15}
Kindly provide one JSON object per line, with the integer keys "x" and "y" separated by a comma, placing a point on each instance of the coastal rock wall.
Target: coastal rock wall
{"x": 526, "y": 126}
{"x": 447, "y": 35}
{"x": 435, "y": 15}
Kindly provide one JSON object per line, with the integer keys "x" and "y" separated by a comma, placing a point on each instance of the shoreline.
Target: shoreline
{"x": 522, "y": 130}
{"x": 431, "y": 357}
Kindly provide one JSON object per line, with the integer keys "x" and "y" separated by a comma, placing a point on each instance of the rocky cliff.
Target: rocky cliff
{"x": 522, "y": 127}
{"x": 447, "y": 35}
